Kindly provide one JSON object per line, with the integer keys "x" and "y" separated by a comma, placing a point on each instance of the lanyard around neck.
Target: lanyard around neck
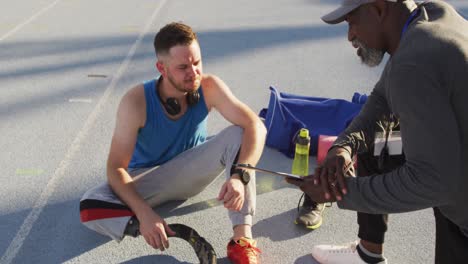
{"x": 410, "y": 19}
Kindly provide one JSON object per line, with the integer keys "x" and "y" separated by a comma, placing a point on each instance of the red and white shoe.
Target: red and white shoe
{"x": 243, "y": 251}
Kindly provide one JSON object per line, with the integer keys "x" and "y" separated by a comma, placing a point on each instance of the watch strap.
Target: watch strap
{"x": 241, "y": 172}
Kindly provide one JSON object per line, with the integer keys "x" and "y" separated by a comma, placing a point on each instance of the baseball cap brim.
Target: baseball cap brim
{"x": 339, "y": 15}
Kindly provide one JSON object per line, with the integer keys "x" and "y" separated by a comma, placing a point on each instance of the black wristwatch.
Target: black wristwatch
{"x": 244, "y": 175}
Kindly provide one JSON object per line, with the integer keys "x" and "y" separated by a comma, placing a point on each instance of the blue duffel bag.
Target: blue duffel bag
{"x": 288, "y": 113}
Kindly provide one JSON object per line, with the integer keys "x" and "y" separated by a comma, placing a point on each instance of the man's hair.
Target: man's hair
{"x": 171, "y": 35}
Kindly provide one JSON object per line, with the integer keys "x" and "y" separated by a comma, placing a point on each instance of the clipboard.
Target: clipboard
{"x": 283, "y": 174}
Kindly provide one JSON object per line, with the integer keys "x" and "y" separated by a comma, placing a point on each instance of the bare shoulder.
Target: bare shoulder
{"x": 135, "y": 95}
{"x": 208, "y": 80}
{"x": 216, "y": 91}
{"x": 213, "y": 84}
{"x": 133, "y": 104}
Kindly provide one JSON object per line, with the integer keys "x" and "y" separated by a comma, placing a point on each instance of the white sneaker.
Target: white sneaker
{"x": 343, "y": 254}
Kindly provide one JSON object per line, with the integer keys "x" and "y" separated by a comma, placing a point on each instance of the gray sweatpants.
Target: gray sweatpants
{"x": 186, "y": 175}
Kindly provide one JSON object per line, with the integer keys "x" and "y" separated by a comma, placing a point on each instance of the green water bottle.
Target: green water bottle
{"x": 301, "y": 157}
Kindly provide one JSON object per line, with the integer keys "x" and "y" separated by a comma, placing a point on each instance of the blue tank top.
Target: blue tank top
{"x": 161, "y": 139}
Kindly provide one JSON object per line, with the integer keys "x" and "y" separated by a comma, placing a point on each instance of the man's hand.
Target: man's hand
{"x": 314, "y": 191}
{"x": 153, "y": 228}
{"x": 232, "y": 193}
{"x": 330, "y": 175}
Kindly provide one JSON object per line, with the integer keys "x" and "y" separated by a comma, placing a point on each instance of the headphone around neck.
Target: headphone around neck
{"x": 172, "y": 105}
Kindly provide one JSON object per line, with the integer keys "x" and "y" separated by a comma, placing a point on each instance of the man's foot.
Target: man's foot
{"x": 243, "y": 251}
{"x": 310, "y": 214}
{"x": 349, "y": 254}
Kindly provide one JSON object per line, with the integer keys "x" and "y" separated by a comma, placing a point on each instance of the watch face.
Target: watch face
{"x": 243, "y": 174}
{"x": 245, "y": 177}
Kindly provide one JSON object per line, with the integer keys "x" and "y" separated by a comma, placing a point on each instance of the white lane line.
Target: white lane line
{"x": 37, "y": 208}
{"x": 80, "y": 100}
{"x": 18, "y": 27}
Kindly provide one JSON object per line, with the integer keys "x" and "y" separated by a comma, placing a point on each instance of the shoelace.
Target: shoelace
{"x": 251, "y": 251}
{"x": 347, "y": 249}
{"x": 349, "y": 168}
{"x": 311, "y": 207}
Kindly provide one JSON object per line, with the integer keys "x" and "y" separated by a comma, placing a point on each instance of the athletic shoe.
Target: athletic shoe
{"x": 310, "y": 214}
{"x": 243, "y": 251}
{"x": 342, "y": 254}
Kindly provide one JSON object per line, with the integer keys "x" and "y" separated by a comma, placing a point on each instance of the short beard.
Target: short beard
{"x": 369, "y": 56}
{"x": 178, "y": 86}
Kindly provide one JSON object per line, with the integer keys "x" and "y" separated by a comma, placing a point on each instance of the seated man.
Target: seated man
{"x": 159, "y": 150}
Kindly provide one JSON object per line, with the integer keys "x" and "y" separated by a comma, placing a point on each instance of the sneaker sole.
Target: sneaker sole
{"x": 312, "y": 227}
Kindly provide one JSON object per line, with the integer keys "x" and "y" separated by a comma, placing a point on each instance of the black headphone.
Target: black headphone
{"x": 172, "y": 105}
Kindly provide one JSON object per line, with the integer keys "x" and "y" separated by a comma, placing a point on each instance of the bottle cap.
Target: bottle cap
{"x": 303, "y": 137}
{"x": 304, "y": 133}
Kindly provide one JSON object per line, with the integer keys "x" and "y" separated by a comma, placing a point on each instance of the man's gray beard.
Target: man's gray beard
{"x": 369, "y": 56}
